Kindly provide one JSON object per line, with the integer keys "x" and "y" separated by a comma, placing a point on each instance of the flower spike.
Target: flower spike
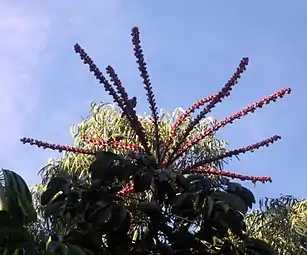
{"x": 232, "y": 175}
{"x": 133, "y": 119}
{"x": 249, "y": 109}
{"x": 102, "y": 145}
{"x": 236, "y": 152}
{"x": 182, "y": 118}
{"x": 122, "y": 92}
{"x": 138, "y": 53}
{"x": 60, "y": 148}
{"x": 225, "y": 92}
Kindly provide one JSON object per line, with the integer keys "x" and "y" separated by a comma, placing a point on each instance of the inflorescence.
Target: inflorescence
{"x": 177, "y": 143}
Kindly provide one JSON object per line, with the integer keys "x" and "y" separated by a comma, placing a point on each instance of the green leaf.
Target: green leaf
{"x": 259, "y": 246}
{"x": 57, "y": 190}
{"x": 143, "y": 180}
{"x": 90, "y": 241}
{"x": 164, "y": 249}
{"x": 75, "y": 250}
{"x": 53, "y": 243}
{"x": 18, "y": 197}
{"x": 60, "y": 184}
{"x": 54, "y": 208}
{"x": 184, "y": 201}
{"x": 102, "y": 216}
{"x": 120, "y": 221}
{"x": 16, "y": 235}
{"x": 235, "y": 222}
{"x": 101, "y": 168}
{"x": 3, "y": 198}
{"x": 233, "y": 200}
{"x": 6, "y": 219}
{"x": 151, "y": 209}
{"x": 209, "y": 206}
{"x": 234, "y": 187}
{"x": 244, "y": 193}
{"x": 248, "y": 197}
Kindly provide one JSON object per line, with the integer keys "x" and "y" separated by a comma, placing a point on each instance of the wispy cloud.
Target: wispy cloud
{"x": 23, "y": 38}
{"x": 33, "y": 39}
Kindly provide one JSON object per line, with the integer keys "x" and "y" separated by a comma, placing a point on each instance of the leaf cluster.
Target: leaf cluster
{"x": 166, "y": 212}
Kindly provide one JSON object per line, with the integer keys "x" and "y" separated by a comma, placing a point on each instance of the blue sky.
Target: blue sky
{"x": 192, "y": 48}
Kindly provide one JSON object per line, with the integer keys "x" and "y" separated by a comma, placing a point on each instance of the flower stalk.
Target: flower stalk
{"x": 173, "y": 133}
{"x": 142, "y": 66}
{"x": 229, "y": 120}
{"x": 225, "y": 92}
{"x": 131, "y": 115}
{"x": 232, "y": 175}
{"x": 236, "y": 152}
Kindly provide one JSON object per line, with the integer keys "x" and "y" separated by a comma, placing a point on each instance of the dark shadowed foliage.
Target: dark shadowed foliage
{"x": 166, "y": 212}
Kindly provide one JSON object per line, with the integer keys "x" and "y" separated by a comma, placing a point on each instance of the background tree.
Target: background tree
{"x": 282, "y": 222}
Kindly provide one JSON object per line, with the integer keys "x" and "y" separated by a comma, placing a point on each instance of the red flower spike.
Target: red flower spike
{"x": 241, "y": 177}
{"x": 133, "y": 119}
{"x": 138, "y": 53}
{"x": 236, "y": 152}
{"x": 218, "y": 98}
{"x": 125, "y": 190}
{"x": 249, "y": 109}
{"x": 113, "y": 144}
{"x": 182, "y": 118}
{"x": 59, "y": 148}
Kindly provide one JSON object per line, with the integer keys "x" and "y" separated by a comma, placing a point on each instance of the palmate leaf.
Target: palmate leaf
{"x": 233, "y": 200}
{"x": 16, "y": 197}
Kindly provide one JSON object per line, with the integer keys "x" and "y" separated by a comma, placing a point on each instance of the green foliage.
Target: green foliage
{"x": 16, "y": 212}
{"x": 279, "y": 222}
{"x": 165, "y": 213}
